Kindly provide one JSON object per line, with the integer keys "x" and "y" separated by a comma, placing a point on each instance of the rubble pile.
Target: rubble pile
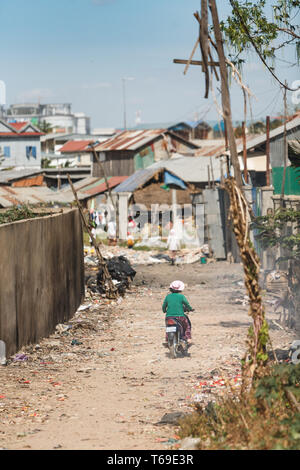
{"x": 217, "y": 383}
{"x": 140, "y": 257}
{"x": 121, "y": 272}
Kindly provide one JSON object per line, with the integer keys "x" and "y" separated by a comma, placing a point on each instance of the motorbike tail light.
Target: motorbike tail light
{"x": 171, "y": 322}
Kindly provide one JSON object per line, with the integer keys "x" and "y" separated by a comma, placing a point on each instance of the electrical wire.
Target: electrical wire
{"x": 276, "y": 97}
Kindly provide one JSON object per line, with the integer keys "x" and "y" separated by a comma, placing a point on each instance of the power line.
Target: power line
{"x": 276, "y": 97}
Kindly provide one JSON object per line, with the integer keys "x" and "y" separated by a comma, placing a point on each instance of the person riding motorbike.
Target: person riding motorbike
{"x": 174, "y": 305}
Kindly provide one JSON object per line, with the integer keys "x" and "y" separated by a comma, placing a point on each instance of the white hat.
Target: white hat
{"x": 177, "y": 285}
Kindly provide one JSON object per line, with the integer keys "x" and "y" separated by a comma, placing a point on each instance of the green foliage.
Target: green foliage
{"x": 258, "y": 127}
{"x": 238, "y": 132}
{"x": 45, "y": 127}
{"x": 267, "y": 34}
{"x": 46, "y": 163}
{"x": 271, "y": 230}
{"x": 17, "y": 213}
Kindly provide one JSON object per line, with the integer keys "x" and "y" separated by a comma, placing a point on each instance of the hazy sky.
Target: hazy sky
{"x": 77, "y": 51}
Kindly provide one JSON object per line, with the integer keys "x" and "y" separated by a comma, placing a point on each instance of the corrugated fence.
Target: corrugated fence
{"x": 42, "y": 276}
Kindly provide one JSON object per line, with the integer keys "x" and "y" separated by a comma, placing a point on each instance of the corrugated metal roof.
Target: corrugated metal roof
{"x": 261, "y": 139}
{"x": 130, "y": 140}
{"x": 33, "y": 195}
{"x": 139, "y": 178}
{"x": 36, "y": 180}
{"x": 188, "y": 169}
{"x": 15, "y": 129}
{"x": 7, "y": 176}
{"x": 75, "y": 146}
{"x": 213, "y": 148}
{"x": 113, "y": 181}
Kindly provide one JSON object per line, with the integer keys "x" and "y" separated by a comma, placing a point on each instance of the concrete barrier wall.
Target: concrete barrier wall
{"x": 42, "y": 276}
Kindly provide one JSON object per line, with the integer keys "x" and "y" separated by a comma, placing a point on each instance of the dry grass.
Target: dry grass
{"x": 266, "y": 417}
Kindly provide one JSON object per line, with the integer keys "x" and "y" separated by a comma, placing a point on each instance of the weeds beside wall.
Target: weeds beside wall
{"x": 42, "y": 276}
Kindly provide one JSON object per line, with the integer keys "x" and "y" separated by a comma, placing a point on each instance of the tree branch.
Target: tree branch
{"x": 257, "y": 49}
{"x": 288, "y": 31}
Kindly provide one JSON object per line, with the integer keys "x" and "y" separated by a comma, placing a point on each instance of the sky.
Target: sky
{"x": 78, "y": 51}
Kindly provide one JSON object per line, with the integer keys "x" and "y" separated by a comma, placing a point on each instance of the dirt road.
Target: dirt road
{"x": 110, "y": 391}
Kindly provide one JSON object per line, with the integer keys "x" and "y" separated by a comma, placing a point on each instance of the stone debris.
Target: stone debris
{"x": 189, "y": 443}
{"x": 146, "y": 257}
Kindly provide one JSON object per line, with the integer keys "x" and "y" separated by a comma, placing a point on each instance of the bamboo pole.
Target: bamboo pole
{"x": 245, "y": 153}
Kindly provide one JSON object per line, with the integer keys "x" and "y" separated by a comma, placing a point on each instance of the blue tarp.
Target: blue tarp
{"x": 171, "y": 179}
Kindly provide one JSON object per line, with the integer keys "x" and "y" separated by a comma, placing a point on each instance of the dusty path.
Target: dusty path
{"x": 114, "y": 398}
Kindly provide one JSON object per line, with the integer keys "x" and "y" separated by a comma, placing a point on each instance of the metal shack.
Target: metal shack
{"x": 130, "y": 151}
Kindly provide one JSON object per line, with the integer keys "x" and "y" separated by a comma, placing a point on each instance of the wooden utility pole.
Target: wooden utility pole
{"x": 208, "y": 176}
{"x": 268, "y": 151}
{"x": 225, "y": 93}
{"x": 219, "y": 46}
{"x": 245, "y": 153}
{"x": 285, "y": 149}
{"x": 212, "y": 174}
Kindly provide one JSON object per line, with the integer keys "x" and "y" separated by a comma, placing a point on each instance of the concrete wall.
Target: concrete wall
{"x": 18, "y": 152}
{"x": 42, "y": 276}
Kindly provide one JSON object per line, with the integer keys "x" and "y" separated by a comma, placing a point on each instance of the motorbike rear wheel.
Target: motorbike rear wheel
{"x": 173, "y": 345}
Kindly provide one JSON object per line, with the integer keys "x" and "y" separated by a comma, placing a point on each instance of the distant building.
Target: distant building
{"x": 76, "y": 153}
{"x": 59, "y": 116}
{"x": 20, "y": 145}
{"x": 133, "y": 150}
{"x": 256, "y": 152}
{"x": 52, "y": 145}
{"x": 191, "y": 130}
{"x": 219, "y": 130}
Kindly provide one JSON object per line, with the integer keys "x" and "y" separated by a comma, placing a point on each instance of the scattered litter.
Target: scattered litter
{"x": 151, "y": 256}
{"x": 90, "y": 261}
{"x": 276, "y": 281}
{"x": 121, "y": 272}
{"x": 20, "y": 357}
{"x": 171, "y": 418}
{"x": 189, "y": 443}
{"x": 60, "y": 328}
{"x": 84, "y": 307}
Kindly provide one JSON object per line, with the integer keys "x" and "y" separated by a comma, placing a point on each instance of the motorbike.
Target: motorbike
{"x": 176, "y": 344}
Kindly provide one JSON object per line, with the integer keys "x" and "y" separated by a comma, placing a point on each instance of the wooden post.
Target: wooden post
{"x": 285, "y": 150}
{"x": 225, "y": 92}
{"x": 245, "y": 153}
{"x": 212, "y": 174}
{"x": 268, "y": 151}
{"x": 221, "y": 172}
{"x": 208, "y": 174}
{"x": 226, "y": 136}
{"x": 58, "y": 181}
{"x": 111, "y": 291}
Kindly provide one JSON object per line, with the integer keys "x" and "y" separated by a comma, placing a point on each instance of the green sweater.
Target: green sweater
{"x": 173, "y": 305}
